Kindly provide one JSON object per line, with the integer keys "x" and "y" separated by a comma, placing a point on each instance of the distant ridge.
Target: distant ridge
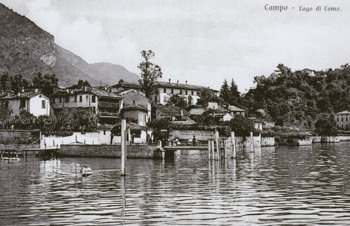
{"x": 27, "y": 49}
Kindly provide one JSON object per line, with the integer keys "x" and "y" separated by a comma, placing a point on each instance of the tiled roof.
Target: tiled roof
{"x": 134, "y": 107}
{"x": 343, "y": 113}
{"x": 22, "y": 95}
{"x": 170, "y": 110}
{"x": 234, "y": 108}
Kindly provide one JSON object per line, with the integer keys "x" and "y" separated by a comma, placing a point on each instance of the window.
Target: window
{"x": 43, "y": 104}
{"x": 192, "y": 92}
{"x": 93, "y": 99}
{"x": 186, "y": 92}
{"x": 172, "y": 91}
{"x": 60, "y": 100}
{"x": 80, "y": 98}
{"x": 22, "y": 103}
{"x": 164, "y": 90}
{"x": 75, "y": 98}
{"x": 67, "y": 99}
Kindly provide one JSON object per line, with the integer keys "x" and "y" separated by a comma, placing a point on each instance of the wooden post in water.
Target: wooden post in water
{"x": 212, "y": 144}
{"x": 217, "y": 140}
{"x": 123, "y": 147}
{"x": 251, "y": 141}
{"x": 233, "y": 141}
{"x": 209, "y": 149}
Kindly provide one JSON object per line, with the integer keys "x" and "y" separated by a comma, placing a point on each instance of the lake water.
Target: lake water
{"x": 273, "y": 186}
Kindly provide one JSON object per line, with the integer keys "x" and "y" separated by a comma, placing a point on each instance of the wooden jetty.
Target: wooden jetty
{"x": 24, "y": 153}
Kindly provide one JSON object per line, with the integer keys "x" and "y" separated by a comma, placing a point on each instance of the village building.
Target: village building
{"x": 104, "y": 104}
{"x": 166, "y": 90}
{"x": 235, "y": 110}
{"x": 258, "y": 124}
{"x": 342, "y": 119}
{"x": 34, "y": 102}
{"x": 134, "y": 98}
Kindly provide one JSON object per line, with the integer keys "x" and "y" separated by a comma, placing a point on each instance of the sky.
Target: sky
{"x": 203, "y": 42}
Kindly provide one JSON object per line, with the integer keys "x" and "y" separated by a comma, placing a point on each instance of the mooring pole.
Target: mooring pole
{"x": 123, "y": 146}
{"x": 233, "y": 140}
{"x": 209, "y": 149}
{"x": 217, "y": 140}
{"x": 251, "y": 141}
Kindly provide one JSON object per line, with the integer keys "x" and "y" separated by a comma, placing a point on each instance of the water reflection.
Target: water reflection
{"x": 266, "y": 186}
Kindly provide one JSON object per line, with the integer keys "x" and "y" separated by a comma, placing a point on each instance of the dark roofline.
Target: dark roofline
{"x": 162, "y": 85}
{"x": 134, "y": 107}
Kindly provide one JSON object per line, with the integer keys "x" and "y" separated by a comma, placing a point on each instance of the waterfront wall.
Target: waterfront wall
{"x": 19, "y": 136}
{"x": 188, "y": 134}
{"x": 344, "y": 138}
{"x": 109, "y": 151}
{"x": 305, "y": 142}
{"x": 330, "y": 139}
{"x": 268, "y": 141}
{"x": 316, "y": 139}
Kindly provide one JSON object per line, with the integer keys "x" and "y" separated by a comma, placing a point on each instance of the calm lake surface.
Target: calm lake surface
{"x": 272, "y": 186}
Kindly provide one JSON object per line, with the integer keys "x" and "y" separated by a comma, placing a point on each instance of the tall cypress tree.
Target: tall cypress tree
{"x": 234, "y": 94}
{"x": 225, "y": 92}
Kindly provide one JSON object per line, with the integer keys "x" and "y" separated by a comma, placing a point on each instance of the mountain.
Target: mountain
{"x": 27, "y": 49}
{"x": 108, "y": 72}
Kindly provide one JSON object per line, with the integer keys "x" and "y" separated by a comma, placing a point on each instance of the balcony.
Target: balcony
{"x": 108, "y": 105}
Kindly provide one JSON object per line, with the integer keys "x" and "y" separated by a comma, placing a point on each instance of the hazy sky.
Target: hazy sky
{"x": 201, "y": 41}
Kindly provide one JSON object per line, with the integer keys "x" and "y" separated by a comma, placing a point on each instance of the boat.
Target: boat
{"x": 11, "y": 159}
{"x": 85, "y": 171}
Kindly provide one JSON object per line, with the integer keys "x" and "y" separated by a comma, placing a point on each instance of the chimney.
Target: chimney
{"x": 169, "y": 80}
{"x": 186, "y": 82}
{"x": 177, "y": 82}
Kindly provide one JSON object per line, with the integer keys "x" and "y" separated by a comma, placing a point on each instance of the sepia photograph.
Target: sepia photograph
{"x": 174, "y": 112}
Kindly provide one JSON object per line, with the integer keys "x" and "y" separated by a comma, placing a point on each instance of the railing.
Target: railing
{"x": 108, "y": 104}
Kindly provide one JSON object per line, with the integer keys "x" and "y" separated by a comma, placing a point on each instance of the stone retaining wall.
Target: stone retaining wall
{"x": 109, "y": 151}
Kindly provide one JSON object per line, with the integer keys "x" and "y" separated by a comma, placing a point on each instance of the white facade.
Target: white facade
{"x": 39, "y": 105}
{"x": 213, "y": 105}
{"x": 165, "y": 93}
{"x": 36, "y": 104}
{"x": 82, "y": 100}
{"x": 227, "y": 117}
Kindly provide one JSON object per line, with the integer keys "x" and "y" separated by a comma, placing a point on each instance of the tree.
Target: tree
{"x": 207, "y": 95}
{"x": 82, "y": 83}
{"x": 326, "y": 126}
{"x": 234, "y": 94}
{"x": 18, "y": 82}
{"x": 225, "y": 92}
{"x": 177, "y": 100}
{"x": 161, "y": 128}
{"x": 241, "y": 125}
{"x": 46, "y": 82}
{"x": 150, "y": 72}
{"x": 5, "y": 82}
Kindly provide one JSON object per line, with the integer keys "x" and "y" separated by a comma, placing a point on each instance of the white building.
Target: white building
{"x": 33, "y": 102}
{"x": 342, "y": 119}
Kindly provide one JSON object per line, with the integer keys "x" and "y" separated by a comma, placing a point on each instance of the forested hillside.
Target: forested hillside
{"x": 299, "y": 98}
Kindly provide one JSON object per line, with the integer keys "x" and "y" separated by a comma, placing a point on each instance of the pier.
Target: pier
{"x": 24, "y": 153}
